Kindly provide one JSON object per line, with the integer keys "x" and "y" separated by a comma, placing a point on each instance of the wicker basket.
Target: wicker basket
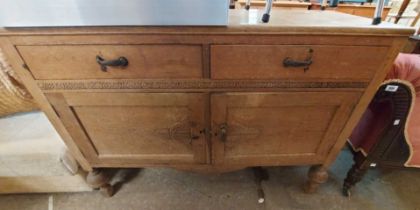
{"x": 14, "y": 97}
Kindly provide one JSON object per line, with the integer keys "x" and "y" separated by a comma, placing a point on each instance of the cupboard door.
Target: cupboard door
{"x": 277, "y": 128}
{"x": 135, "y": 129}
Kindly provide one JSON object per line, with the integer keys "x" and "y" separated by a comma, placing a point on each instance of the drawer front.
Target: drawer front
{"x": 278, "y": 128}
{"x": 134, "y": 128}
{"x": 144, "y": 61}
{"x": 267, "y": 62}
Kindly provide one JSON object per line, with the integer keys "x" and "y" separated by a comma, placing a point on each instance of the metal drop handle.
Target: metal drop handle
{"x": 288, "y": 62}
{"x": 120, "y": 62}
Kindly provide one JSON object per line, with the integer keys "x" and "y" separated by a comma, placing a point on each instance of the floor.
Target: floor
{"x": 28, "y": 145}
{"x": 172, "y": 190}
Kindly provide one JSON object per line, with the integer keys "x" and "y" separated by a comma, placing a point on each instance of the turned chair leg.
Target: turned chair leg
{"x": 316, "y": 176}
{"x": 356, "y": 173}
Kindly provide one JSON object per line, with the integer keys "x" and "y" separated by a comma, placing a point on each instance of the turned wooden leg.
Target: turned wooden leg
{"x": 69, "y": 161}
{"x": 316, "y": 176}
{"x": 108, "y": 181}
{"x": 107, "y": 190}
{"x": 101, "y": 179}
{"x": 356, "y": 173}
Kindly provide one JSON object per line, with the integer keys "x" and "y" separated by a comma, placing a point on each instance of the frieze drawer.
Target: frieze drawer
{"x": 75, "y": 62}
{"x": 296, "y": 62}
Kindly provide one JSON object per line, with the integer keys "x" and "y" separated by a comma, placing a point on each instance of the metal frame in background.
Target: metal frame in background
{"x": 377, "y": 18}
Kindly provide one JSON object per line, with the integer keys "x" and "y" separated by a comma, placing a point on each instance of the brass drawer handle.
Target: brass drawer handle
{"x": 288, "y": 62}
{"x": 121, "y": 62}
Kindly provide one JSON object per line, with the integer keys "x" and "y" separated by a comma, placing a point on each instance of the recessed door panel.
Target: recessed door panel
{"x": 270, "y": 128}
{"x": 138, "y": 128}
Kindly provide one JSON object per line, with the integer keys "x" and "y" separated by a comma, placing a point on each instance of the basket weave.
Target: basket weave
{"x": 14, "y": 97}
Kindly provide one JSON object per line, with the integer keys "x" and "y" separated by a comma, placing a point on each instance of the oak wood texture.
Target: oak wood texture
{"x": 101, "y": 179}
{"x": 144, "y": 127}
{"x": 145, "y": 61}
{"x": 316, "y": 176}
{"x": 364, "y": 101}
{"x": 270, "y": 127}
{"x": 220, "y": 101}
{"x": 266, "y": 62}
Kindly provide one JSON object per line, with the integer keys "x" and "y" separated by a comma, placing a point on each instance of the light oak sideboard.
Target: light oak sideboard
{"x": 207, "y": 99}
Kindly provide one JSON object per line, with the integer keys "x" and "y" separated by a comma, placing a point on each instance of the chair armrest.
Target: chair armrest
{"x": 381, "y": 127}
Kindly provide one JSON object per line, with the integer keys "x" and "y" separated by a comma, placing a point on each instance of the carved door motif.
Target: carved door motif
{"x": 277, "y": 128}
{"x": 135, "y": 127}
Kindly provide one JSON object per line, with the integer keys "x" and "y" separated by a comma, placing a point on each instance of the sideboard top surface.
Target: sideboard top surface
{"x": 248, "y": 22}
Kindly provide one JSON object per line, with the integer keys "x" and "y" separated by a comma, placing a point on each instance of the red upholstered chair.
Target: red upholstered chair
{"x": 388, "y": 133}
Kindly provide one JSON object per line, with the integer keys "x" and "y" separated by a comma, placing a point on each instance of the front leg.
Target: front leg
{"x": 101, "y": 179}
{"x": 316, "y": 176}
{"x": 356, "y": 173}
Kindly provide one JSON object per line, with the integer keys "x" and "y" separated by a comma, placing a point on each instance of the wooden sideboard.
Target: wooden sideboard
{"x": 207, "y": 99}
{"x": 366, "y": 10}
{"x": 361, "y": 10}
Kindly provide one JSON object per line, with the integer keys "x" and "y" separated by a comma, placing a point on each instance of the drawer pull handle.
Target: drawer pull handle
{"x": 288, "y": 62}
{"x": 121, "y": 62}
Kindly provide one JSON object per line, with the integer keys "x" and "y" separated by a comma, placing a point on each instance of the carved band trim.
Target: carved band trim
{"x": 188, "y": 84}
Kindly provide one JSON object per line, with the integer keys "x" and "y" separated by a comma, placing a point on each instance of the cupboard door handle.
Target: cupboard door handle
{"x": 223, "y": 132}
{"x": 193, "y": 135}
{"x": 288, "y": 62}
{"x": 121, "y": 62}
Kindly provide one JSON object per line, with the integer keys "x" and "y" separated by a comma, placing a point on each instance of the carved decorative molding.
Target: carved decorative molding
{"x": 179, "y": 131}
{"x": 188, "y": 84}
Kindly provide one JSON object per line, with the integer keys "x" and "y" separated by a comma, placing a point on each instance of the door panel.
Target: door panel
{"x": 143, "y": 128}
{"x": 269, "y": 128}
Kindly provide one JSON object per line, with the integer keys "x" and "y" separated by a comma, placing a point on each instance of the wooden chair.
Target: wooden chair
{"x": 388, "y": 134}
